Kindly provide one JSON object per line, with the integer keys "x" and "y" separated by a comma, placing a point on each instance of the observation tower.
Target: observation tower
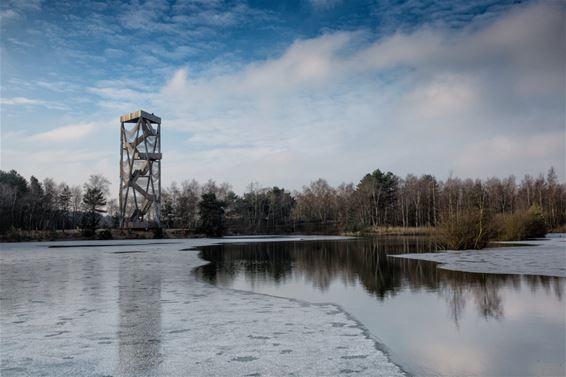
{"x": 140, "y": 170}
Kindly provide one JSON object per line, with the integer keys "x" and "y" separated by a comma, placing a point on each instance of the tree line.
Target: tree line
{"x": 47, "y": 205}
{"x": 379, "y": 199}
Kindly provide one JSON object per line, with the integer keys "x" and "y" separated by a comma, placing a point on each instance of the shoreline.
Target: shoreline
{"x": 182, "y": 234}
{"x": 176, "y": 234}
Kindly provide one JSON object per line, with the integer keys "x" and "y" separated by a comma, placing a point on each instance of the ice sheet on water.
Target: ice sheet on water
{"x": 546, "y": 257}
{"x": 97, "y": 310}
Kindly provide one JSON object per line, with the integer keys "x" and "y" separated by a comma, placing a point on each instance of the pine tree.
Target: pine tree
{"x": 211, "y": 212}
{"x": 64, "y": 204}
{"x": 92, "y": 200}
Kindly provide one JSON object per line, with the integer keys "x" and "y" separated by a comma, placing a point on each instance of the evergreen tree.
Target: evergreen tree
{"x": 211, "y": 212}
{"x": 13, "y": 188}
{"x": 93, "y": 199}
{"x": 35, "y": 200}
{"x": 64, "y": 204}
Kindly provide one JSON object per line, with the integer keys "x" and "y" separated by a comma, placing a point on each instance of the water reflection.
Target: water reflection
{"x": 139, "y": 299}
{"x": 365, "y": 261}
{"x": 433, "y": 321}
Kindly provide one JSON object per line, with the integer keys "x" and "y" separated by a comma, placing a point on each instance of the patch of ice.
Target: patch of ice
{"x": 546, "y": 257}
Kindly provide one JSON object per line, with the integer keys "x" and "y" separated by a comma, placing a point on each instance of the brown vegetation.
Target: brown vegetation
{"x": 474, "y": 229}
{"x": 471, "y": 229}
{"x": 20, "y": 235}
{"x": 521, "y": 225}
{"x": 396, "y": 231}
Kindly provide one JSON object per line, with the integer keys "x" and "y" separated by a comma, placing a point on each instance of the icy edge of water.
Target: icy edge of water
{"x": 543, "y": 257}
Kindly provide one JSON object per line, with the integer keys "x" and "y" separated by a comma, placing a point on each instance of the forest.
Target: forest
{"x": 379, "y": 200}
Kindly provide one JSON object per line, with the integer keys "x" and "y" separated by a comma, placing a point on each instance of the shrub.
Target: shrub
{"x": 52, "y": 235}
{"x": 158, "y": 233}
{"x": 471, "y": 229}
{"x": 13, "y": 234}
{"x": 537, "y": 224}
{"x": 522, "y": 225}
{"x": 105, "y": 234}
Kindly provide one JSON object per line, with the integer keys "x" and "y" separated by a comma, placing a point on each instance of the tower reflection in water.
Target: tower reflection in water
{"x": 140, "y": 318}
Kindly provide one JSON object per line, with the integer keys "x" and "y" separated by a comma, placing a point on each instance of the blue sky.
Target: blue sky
{"x": 285, "y": 92}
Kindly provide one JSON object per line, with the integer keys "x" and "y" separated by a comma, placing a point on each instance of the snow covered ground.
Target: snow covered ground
{"x": 135, "y": 309}
{"x": 545, "y": 257}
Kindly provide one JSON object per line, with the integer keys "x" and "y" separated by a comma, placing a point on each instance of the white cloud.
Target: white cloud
{"x": 66, "y": 133}
{"x": 418, "y": 102}
{"x": 505, "y": 47}
{"x": 21, "y": 101}
{"x": 450, "y": 95}
{"x": 503, "y": 151}
{"x": 24, "y": 101}
{"x": 321, "y": 5}
{"x": 8, "y": 14}
{"x": 15, "y": 9}
{"x": 67, "y": 164}
{"x": 57, "y": 86}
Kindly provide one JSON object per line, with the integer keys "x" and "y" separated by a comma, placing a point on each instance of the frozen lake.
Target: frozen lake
{"x": 284, "y": 306}
{"x": 134, "y": 308}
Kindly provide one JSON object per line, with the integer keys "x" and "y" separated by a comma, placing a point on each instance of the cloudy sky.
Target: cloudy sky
{"x": 285, "y": 92}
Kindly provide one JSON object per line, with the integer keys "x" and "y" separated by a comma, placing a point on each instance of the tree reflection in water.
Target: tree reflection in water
{"x": 365, "y": 261}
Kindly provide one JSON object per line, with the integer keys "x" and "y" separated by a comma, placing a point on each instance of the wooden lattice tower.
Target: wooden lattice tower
{"x": 140, "y": 170}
